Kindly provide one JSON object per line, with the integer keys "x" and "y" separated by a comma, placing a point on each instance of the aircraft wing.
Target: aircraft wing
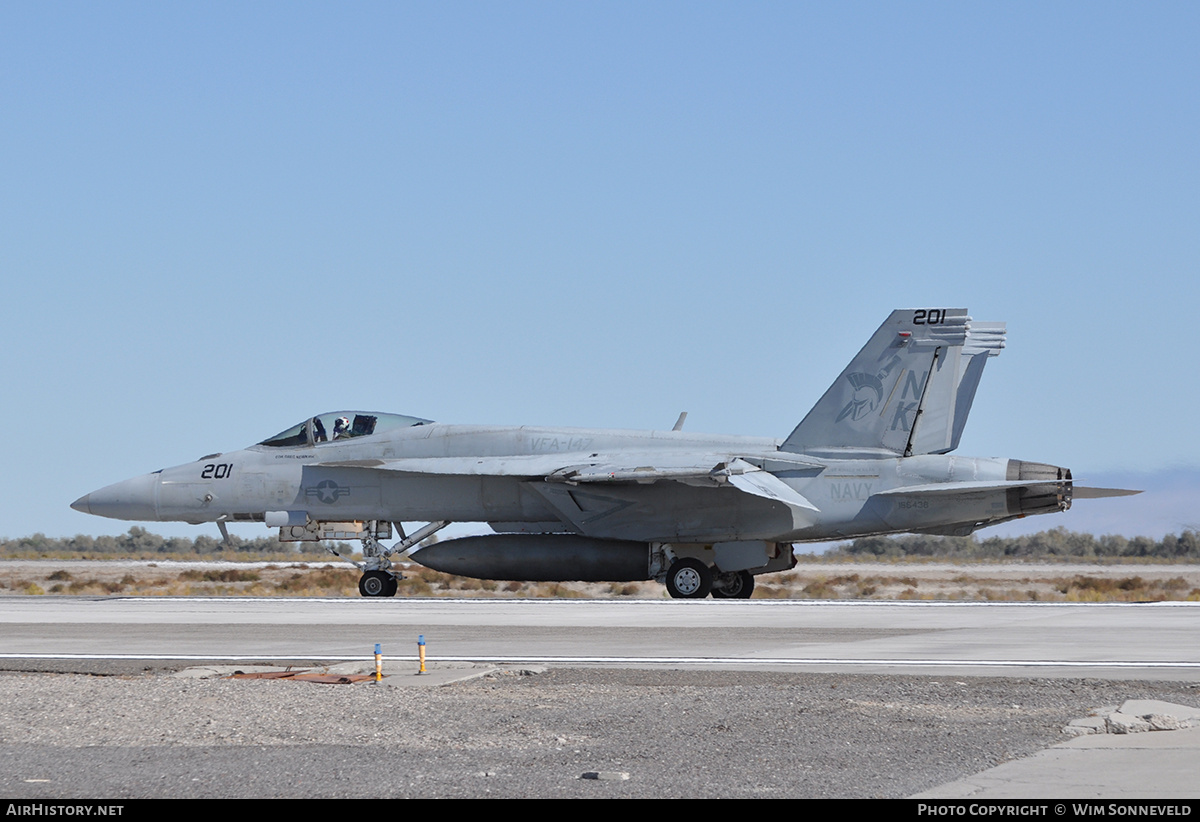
{"x": 524, "y": 465}
{"x": 736, "y": 472}
{"x": 657, "y": 492}
{"x": 559, "y": 467}
{"x": 652, "y": 466}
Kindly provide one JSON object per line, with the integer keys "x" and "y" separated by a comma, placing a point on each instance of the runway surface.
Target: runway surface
{"x": 1149, "y": 641}
{"x": 677, "y": 698}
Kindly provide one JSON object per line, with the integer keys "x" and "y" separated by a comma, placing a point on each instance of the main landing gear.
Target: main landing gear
{"x": 734, "y": 585}
{"x": 689, "y": 578}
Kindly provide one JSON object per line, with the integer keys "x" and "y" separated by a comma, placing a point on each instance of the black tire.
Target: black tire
{"x": 741, "y": 587}
{"x": 689, "y": 578}
{"x": 377, "y": 584}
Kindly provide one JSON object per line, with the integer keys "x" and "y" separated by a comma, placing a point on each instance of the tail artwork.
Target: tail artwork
{"x": 907, "y": 392}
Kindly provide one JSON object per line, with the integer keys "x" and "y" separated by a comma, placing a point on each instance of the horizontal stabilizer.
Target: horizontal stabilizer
{"x": 1083, "y": 492}
{"x": 959, "y": 487}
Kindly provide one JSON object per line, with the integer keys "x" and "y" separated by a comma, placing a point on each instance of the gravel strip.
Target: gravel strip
{"x": 560, "y": 733}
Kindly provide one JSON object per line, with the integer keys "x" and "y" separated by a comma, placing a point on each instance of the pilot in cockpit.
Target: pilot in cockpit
{"x": 341, "y": 429}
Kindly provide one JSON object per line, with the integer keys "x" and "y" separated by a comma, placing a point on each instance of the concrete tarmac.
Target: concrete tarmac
{"x": 1153, "y": 765}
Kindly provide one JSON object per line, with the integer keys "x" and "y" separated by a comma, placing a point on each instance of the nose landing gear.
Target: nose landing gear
{"x": 378, "y": 579}
{"x": 378, "y": 584}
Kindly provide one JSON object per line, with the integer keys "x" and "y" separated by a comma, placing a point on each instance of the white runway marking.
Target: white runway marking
{"x": 634, "y": 660}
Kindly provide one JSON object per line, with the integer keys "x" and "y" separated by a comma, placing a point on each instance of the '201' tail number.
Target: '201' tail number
{"x": 929, "y": 316}
{"x": 217, "y": 470}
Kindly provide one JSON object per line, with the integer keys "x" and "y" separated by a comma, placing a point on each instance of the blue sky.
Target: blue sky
{"x": 219, "y": 218}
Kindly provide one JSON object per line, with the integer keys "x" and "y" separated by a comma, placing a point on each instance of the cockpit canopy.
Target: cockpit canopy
{"x": 340, "y": 425}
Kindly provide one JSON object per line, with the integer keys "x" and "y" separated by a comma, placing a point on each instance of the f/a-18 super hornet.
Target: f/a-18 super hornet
{"x": 701, "y": 513}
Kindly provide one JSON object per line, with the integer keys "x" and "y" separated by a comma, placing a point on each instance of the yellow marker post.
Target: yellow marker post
{"x": 421, "y": 652}
{"x": 378, "y": 663}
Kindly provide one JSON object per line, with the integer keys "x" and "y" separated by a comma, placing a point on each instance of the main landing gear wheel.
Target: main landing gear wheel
{"x": 689, "y": 578}
{"x": 377, "y": 584}
{"x": 739, "y": 585}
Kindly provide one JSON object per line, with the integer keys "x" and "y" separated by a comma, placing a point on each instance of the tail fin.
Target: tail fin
{"x": 984, "y": 340}
{"x": 907, "y": 392}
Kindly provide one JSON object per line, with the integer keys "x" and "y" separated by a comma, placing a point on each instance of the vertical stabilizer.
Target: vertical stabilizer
{"x": 908, "y": 391}
{"x": 984, "y": 340}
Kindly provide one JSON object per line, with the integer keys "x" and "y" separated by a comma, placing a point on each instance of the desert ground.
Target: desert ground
{"x": 1016, "y": 581}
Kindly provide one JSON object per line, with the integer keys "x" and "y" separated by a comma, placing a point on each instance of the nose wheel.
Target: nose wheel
{"x": 377, "y": 580}
{"x": 377, "y": 584}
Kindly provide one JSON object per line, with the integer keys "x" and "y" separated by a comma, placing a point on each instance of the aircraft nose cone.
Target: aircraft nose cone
{"x": 132, "y": 499}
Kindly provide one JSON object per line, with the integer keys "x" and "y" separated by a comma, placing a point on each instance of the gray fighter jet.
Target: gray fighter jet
{"x": 701, "y": 513}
